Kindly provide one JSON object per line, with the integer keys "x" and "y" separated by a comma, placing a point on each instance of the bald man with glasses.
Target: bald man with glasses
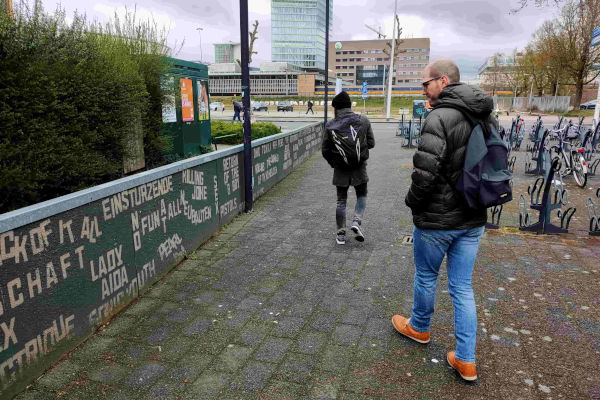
{"x": 444, "y": 225}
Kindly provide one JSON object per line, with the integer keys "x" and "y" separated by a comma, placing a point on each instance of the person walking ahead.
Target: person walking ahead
{"x": 348, "y": 138}
{"x": 444, "y": 223}
{"x": 237, "y": 109}
{"x": 310, "y": 106}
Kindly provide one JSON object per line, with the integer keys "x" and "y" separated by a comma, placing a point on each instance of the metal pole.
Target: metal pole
{"x": 530, "y": 95}
{"x": 555, "y": 93}
{"x": 391, "y": 71}
{"x": 326, "y": 59}
{"x": 200, "y": 33}
{"x": 248, "y": 180}
{"x": 383, "y": 86}
{"x": 597, "y": 107}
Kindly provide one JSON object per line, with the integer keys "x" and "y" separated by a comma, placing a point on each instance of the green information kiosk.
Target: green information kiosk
{"x": 185, "y": 110}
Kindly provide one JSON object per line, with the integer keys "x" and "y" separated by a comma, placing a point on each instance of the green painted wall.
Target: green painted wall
{"x": 65, "y": 272}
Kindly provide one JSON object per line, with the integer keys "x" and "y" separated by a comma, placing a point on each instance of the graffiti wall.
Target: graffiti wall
{"x": 69, "y": 264}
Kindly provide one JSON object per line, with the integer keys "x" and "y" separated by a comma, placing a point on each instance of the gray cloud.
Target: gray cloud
{"x": 468, "y": 30}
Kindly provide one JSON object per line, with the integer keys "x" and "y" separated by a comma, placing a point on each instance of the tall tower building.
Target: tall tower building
{"x": 298, "y": 32}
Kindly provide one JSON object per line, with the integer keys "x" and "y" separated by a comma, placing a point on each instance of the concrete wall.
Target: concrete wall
{"x": 69, "y": 264}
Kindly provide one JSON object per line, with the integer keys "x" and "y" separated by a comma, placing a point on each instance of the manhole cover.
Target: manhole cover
{"x": 407, "y": 239}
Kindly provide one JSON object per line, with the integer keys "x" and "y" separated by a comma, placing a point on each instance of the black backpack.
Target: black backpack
{"x": 485, "y": 180}
{"x": 350, "y": 141}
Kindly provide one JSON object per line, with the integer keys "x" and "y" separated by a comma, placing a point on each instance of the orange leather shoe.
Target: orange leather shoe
{"x": 403, "y": 326}
{"x": 466, "y": 370}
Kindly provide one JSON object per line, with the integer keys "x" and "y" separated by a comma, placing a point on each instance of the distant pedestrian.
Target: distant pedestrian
{"x": 237, "y": 109}
{"x": 310, "y": 106}
{"x": 348, "y": 138}
{"x": 444, "y": 224}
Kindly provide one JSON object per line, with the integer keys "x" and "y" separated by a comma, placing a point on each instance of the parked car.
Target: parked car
{"x": 259, "y": 106}
{"x": 285, "y": 106}
{"x": 217, "y": 106}
{"x": 590, "y": 105}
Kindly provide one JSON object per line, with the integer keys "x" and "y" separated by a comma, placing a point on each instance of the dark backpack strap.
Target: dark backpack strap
{"x": 472, "y": 120}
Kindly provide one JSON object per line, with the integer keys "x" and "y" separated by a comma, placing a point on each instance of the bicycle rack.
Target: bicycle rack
{"x": 520, "y": 133}
{"x": 559, "y": 123}
{"x": 593, "y": 215}
{"x": 593, "y": 167}
{"x": 590, "y": 143}
{"x": 508, "y": 139}
{"x": 400, "y": 129}
{"x": 536, "y": 137}
{"x": 550, "y": 201}
{"x": 411, "y": 133}
{"x": 511, "y": 164}
{"x": 541, "y": 154}
{"x": 495, "y": 214}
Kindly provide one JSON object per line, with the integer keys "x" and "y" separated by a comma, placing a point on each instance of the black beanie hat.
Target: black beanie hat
{"x": 342, "y": 100}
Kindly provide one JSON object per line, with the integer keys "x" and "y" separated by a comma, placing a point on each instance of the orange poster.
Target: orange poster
{"x": 187, "y": 99}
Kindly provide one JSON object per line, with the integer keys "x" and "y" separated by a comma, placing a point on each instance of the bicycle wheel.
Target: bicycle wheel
{"x": 579, "y": 170}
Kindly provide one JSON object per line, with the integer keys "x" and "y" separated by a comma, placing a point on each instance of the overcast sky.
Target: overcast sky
{"x": 468, "y": 31}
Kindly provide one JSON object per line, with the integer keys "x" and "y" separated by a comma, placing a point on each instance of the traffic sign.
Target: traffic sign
{"x": 364, "y": 91}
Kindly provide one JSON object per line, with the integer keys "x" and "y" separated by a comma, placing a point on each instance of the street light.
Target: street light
{"x": 200, "y": 33}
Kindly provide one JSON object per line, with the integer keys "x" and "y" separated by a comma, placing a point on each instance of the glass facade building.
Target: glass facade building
{"x": 298, "y": 32}
{"x": 227, "y": 52}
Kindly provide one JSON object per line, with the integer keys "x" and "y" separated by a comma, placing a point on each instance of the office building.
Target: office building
{"x": 298, "y": 32}
{"x": 361, "y": 61}
{"x": 227, "y": 52}
{"x": 496, "y": 72}
{"x": 273, "y": 78}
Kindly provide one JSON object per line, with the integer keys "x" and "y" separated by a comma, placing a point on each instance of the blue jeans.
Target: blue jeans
{"x": 236, "y": 114}
{"x": 461, "y": 246}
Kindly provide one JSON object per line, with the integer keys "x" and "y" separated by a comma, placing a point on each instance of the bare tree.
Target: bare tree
{"x": 566, "y": 41}
{"x": 253, "y": 37}
{"x": 571, "y": 37}
{"x": 251, "y": 51}
{"x": 387, "y": 50}
{"x": 496, "y": 72}
{"x": 521, "y": 4}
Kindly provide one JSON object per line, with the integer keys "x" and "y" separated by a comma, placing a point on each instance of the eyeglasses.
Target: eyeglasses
{"x": 426, "y": 83}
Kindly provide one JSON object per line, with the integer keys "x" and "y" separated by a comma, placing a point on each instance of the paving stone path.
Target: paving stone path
{"x": 272, "y": 308}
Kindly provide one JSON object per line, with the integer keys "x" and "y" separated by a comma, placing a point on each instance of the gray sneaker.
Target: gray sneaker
{"x": 341, "y": 237}
{"x": 356, "y": 229}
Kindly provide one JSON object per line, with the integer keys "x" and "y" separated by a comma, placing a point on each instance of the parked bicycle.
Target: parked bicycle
{"x": 591, "y": 140}
{"x": 559, "y": 123}
{"x": 571, "y": 155}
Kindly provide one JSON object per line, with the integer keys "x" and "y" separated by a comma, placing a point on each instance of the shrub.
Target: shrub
{"x": 69, "y": 95}
{"x": 258, "y": 130}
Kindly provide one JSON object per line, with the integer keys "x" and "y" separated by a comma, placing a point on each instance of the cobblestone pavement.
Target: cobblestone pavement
{"x": 272, "y": 308}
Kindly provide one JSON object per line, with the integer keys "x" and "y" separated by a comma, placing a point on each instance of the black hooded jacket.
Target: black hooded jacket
{"x": 439, "y": 160}
{"x": 341, "y": 175}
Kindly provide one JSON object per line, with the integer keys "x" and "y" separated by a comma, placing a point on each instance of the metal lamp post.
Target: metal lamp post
{"x": 200, "y": 34}
{"x": 326, "y": 59}
{"x": 391, "y": 70}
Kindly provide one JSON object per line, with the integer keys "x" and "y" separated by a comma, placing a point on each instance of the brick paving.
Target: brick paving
{"x": 272, "y": 308}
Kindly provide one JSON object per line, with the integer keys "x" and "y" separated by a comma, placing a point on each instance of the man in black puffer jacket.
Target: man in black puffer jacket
{"x": 444, "y": 223}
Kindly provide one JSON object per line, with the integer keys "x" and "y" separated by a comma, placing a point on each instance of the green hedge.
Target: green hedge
{"x": 69, "y": 95}
{"x": 225, "y": 128}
